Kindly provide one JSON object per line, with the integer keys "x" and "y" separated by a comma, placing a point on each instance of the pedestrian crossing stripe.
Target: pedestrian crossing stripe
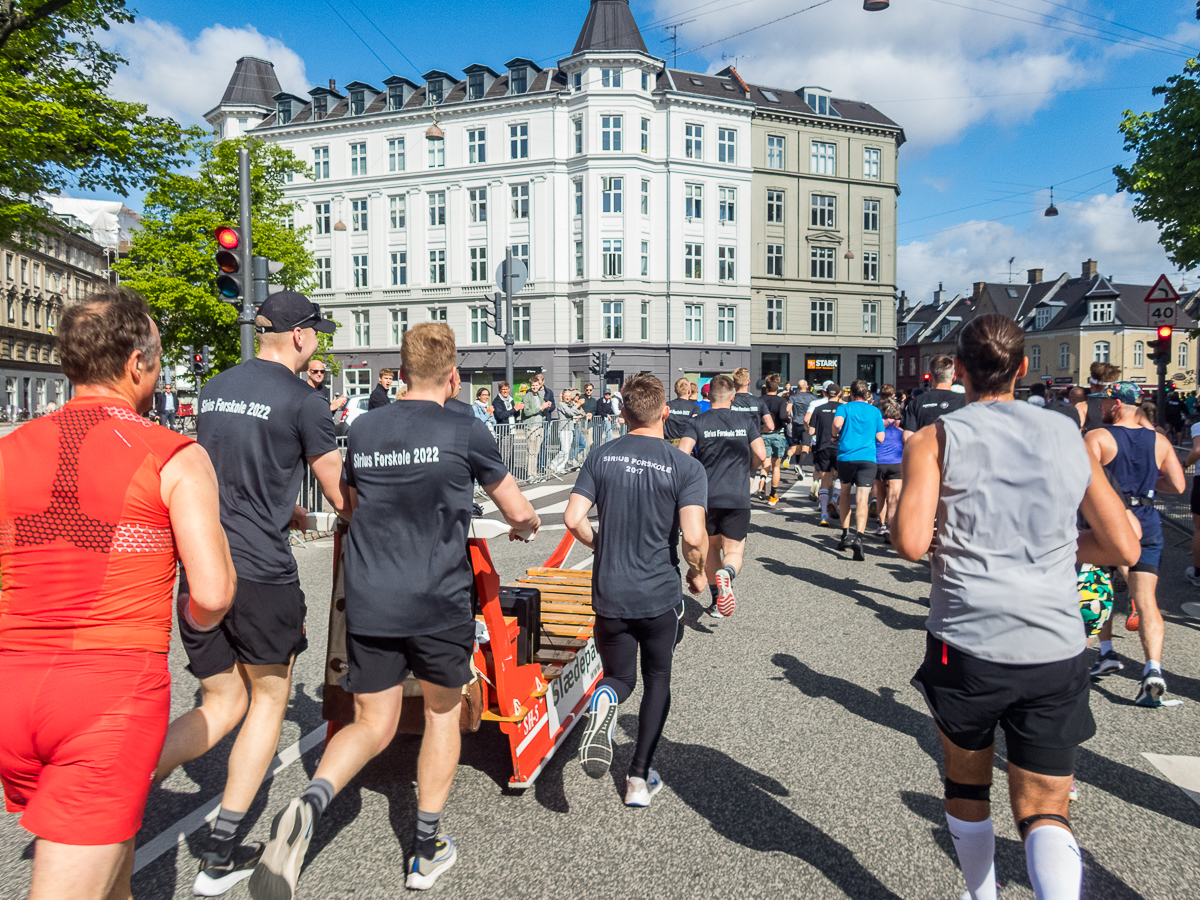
{"x": 1181, "y": 771}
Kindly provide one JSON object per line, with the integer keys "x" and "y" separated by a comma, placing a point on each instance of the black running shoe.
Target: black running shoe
{"x": 856, "y": 548}
{"x": 842, "y": 541}
{"x": 595, "y": 750}
{"x": 217, "y": 874}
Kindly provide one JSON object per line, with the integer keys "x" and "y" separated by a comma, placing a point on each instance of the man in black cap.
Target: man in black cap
{"x": 259, "y": 424}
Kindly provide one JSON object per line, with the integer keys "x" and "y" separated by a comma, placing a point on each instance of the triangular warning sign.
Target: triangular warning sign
{"x": 1162, "y": 292}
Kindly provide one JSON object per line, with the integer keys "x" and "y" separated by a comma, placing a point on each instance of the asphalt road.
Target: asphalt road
{"x": 798, "y": 760}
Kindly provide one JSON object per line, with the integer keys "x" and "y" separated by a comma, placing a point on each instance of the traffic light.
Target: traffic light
{"x": 1160, "y": 347}
{"x": 197, "y": 361}
{"x": 926, "y": 379}
{"x": 206, "y": 355}
{"x": 231, "y": 280}
{"x": 498, "y": 313}
{"x": 599, "y": 364}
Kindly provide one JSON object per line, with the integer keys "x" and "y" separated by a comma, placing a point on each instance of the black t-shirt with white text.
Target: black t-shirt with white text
{"x": 638, "y": 484}
{"x": 259, "y": 423}
{"x": 679, "y": 411}
{"x": 413, "y": 464}
{"x": 822, "y": 425}
{"x": 748, "y": 403}
{"x": 931, "y": 406}
{"x": 723, "y": 438}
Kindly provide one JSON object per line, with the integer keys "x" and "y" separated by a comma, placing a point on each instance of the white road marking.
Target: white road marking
{"x": 583, "y": 565}
{"x": 1181, "y": 771}
{"x": 533, "y": 493}
{"x": 155, "y": 848}
{"x": 560, "y": 506}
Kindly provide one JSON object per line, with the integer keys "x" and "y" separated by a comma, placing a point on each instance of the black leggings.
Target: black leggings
{"x": 617, "y": 641}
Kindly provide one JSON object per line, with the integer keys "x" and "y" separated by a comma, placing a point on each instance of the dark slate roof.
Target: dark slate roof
{"x": 609, "y": 27}
{"x": 253, "y": 83}
{"x": 518, "y": 61}
{"x": 1071, "y": 304}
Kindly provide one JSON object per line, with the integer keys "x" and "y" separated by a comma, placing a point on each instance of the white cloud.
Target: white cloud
{"x": 184, "y": 78}
{"x": 1101, "y": 228}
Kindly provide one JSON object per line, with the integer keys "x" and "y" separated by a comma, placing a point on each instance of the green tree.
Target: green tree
{"x": 58, "y": 126}
{"x": 172, "y": 256}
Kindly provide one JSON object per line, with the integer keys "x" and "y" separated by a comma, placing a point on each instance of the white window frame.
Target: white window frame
{"x": 577, "y": 134}
{"x": 871, "y": 216}
{"x": 521, "y": 322}
{"x": 645, "y": 270}
{"x": 775, "y": 260}
{"x": 693, "y": 140}
{"x": 437, "y": 266}
{"x": 1139, "y": 355}
{"x": 726, "y": 324}
{"x": 324, "y": 278}
{"x": 824, "y": 211}
{"x": 1102, "y": 312}
{"x": 518, "y": 140}
{"x": 824, "y": 158}
{"x": 727, "y": 208}
{"x": 870, "y": 265}
{"x": 476, "y": 146}
{"x": 399, "y": 268}
{"x": 578, "y": 196}
{"x": 612, "y": 257}
{"x": 726, "y": 263}
{"x": 1041, "y": 318}
{"x": 776, "y": 146}
{"x": 480, "y": 325}
{"x": 612, "y": 320}
{"x": 396, "y": 154}
{"x": 437, "y": 209}
{"x": 437, "y": 152}
{"x": 870, "y": 316}
{"x": 1064, "y": 355}
{"x": 356, "y": 382}
{"x": 822, "y": 316}
{"x": 359, "y": 214}
{"x": 775, "y": 313}
{"x": 1035, "y": 357}
{"x": 358, "y": 159}
{"x": 520, "y": 201}
{"x": 397, "y": 211}
{"x": 322, "y": 221}
{"x": 693, "y": 202}
{"x": 610, "y": 78}
{"x": 399, "y": 325}
{"x": 477, "y": 204}
{"x": 611, "y": 127}
{"x": 822, "y": 264}
{"x": 361, "y": 271}
{"x": 362, "y": 327}
{"x": 645, "y": 134}
{"x": 320, "y": 163}
{"x": 693, "y": 322}
{"x": 579, "y": 259}
{"x": 693, "y": 261}
{"x": 1101, "y": 351}
{"x": 775, "y": 206}
{"x": 612, "y": 187}
{"x": 871, "y": 163}
{"x": 727, "y": 146}
{"x": 479, "y": 267}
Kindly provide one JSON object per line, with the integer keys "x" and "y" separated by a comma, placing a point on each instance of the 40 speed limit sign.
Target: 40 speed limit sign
{"x": 1160, "y": 303}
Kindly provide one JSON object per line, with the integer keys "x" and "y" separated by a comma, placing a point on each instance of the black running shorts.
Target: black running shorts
{"x": 825, "y": 460}
{"x": 887, "y": 472}
{"x": 264, "y": 627}
{"x": 1195, "y": 495}
{"x": 1043, "y": 708}
{"x": 731, "y": 523}
{"x": 378, "y": 663}
{"x": 858, "y": 472}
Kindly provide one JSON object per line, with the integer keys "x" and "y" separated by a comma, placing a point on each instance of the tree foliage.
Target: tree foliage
{"x": 172, "y": 256}
{"x": 58, "y": 126}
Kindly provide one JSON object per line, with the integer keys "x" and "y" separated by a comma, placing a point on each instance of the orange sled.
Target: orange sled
{"x": 535, "y": 705}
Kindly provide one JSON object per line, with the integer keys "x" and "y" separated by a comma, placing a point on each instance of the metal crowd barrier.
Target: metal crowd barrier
{"x": 536, "y": 452}
{"x": 1177, "y": 508}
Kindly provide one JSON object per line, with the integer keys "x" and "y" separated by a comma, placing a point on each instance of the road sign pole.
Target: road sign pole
{"x": 246, "y": 317}
{"x": 508, "y": 316}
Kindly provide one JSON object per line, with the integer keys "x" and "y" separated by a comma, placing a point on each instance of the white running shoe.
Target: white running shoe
{"x": 1190, "y": 574}
{"x": 725, "y": 599}
{"x": 714, "y": 611}
{"x": 640, "y": 791}
{"x": 275, "y": 876}
{"x": 422, "y": 872}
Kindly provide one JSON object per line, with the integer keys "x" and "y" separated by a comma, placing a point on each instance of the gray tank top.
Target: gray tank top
{"x": 1004, "y": 571}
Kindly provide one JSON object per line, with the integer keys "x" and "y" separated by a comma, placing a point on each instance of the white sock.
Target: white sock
{"x": 837, "y": 495}
{"x": 975, "y": 844}
{"x": 1151, "y": 664}
{"x": 823, "y": 499}
{"x": 1054, "y": 863}
{"x": 1105, "y": 647}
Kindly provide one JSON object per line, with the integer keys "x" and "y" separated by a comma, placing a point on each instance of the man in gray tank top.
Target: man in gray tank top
{"x": 1006, "y": 641}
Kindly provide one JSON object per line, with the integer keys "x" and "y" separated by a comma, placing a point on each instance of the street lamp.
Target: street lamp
{"x": 1051, "y": 210}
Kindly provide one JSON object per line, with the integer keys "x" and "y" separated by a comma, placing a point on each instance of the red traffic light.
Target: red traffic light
{"x": 926, "y": 376}
{"x": 227, "y": 237}
{"x": 1164, "y": 332}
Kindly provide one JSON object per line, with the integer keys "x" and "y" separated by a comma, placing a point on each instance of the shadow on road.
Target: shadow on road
{"x": 855, "y": 590}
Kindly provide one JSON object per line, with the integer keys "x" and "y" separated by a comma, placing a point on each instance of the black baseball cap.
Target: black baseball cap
{"x": 287, "y": 310}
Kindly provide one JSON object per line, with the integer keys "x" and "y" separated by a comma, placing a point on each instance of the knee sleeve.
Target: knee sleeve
{"x": 956, "y": 790}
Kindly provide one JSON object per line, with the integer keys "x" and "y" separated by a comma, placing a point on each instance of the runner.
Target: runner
{"x": 95, "y": 502}
{"x": 801, "y": 399}
{"x": 1192, "y": 572}
{"x": 259, "y": 423}
{"x": 728, "y": 445}
{"x": 679, "y": 410}
{"x": 936, "y": 402}
{"x": 888, "y": 456}
{"x": 1005, "y": 644}
{"x": 776, "y": 441}
{"x": 819, "y": 420}
{"x": 702, "y": 404}
{"x": 408, "y": 485}
{"x": 745, "y": 402}
{"x": 646, "y": 493}
{"x": 857, "y": 428}
{"x": 1100, "y": 376}
{"x": 1142, "y": 462}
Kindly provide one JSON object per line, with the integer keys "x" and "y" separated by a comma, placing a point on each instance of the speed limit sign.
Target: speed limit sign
{"x": 1160, "y": 303}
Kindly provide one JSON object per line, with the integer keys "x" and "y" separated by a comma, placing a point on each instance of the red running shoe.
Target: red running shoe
{"x": 725, "y": 599}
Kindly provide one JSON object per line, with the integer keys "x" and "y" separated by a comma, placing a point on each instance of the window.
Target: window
{"x": 610, "y": 78}
{"x": 324, "y": 275}
{"x": 578, "y": 304}
{"x": 871, "y": 265}
{"x": 819, "y": 103}
{"x": 693, "y": 141}
{"x": 362, "y": 327}
{"x": 479, "y": 270}
{"x": 727, "y": 146}
{"x": 24, "y": 271}
{"x": 645, "y": 135}
{"x": 437, "y": 314}
{"x": 822, "y": 316}
{"x": 822, "y": 262}
{"x": 437, "y": 266}
{"x": 396, "y": 155}
{"x": 610, "y": 194}
{"x": 645, "y": 197}
{"x": 396, "y": 210}
{"x": 435, "y": 92}
{"x": 645, "y": 81}
{"x": 823, "y": 209}
{"x": 645, "y": 259}
{"x": 521, "y": 252}
{"x": 1182, "y": 358}
{"x": 437, "y": 152}
{"x": 437, "y": 207}
{"x": 320, "y": 107}
{"x": 357, "y": 382}
{"x": 1042, "y": 318}
{"x": 476, "y": 145}
{"x": 518, "y": 80}
{"x": 693, "y": 201}
{"x": 577, "y": 127}
{"x": 610, "y": 133}
{"x": 871, "y": 163}
{"x": 577, "y": 82}
{"x": 358, "y": 265}
{"x": 1102, "y": 313}
{"x": 1100, "y": 351}
{"x": 477, "y": 199}
{"x": 611, "y": 258}
{"x": 775, "y": 207}
{"x": 1035, "y": 357}
{"x": 320, "y": 163}
{"x": 520, "y": 201}
{"x": 8, "y": 266}
{"x": 358, "y": 160}
{"x": 693, "y": 259}
{"x": 579, "y": 261}
{"x": 399, "y": 270}
{"x": 322, "y": 220}
{"x": 726, "y": 324}
{"x": 518, "y": 141}
{"x": 399, "y": 324}
{"x": 395, "y": 97}
{"x": 870, "y": 215}
{"x": 774, "y": 314}
{"x": 480, "y": 325}
{"x": 358, "y": 215}
{"x": 693, "y": 322}
{"x": 475, "y": 86}
{"x": 358, "y": 102}
{"x": 521, "y": 323}
{"x": 578, "y": 188}
{"x": 824, "y": 158}
{"x": 645, "y": 320}
{"x": 774, "y": 151}
{"x": 611, "y": 316}
{"x": 1139, "y": 355}
{"x": 775, "y": 259}
{"x": 870, "y": 309}
{"x": 725, "y": 260}
{"x": 283, "y": 112}
{"x": 728, "y": 203}
{"x": 1064, "y": 356}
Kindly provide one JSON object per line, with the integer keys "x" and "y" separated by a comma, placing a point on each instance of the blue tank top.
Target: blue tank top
{"x": 892, "y": 449}
{"x": 1135, "y": 468}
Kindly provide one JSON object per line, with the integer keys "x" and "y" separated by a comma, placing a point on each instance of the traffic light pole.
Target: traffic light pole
{"x": 246, "y": 316}
{"x": 508, "y": 323}
{"x": 1163, "y": 359}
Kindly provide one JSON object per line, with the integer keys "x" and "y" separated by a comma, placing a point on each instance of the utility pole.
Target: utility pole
{"x": 246, "y": 316}
{"x": 508, "y": 309}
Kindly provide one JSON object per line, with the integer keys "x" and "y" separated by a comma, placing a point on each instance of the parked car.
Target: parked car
{"x": 354, "y": 408}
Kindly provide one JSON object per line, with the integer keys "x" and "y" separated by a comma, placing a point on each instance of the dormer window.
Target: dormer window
{"x": 320, "y": 107}
{"x": 1042, "y": 318}
{"x": 435, "y": 93}
{"x": 475, "y": 86}
{"x": 610, "y": 78}
{"x": 818, "y": 100}
{"x": 395, "y": 97}
{"x": 518, "y": 80}
{"x": 1102, "y": 312}
{"x": 283, "y": 112}
{"x": 358, "y": 102}
{"x": 577, "y": 81}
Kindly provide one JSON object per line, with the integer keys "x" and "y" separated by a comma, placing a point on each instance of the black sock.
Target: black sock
{"x": 845, "y": 533}
{"x": 224, "y": 831}
{"x": 732, "y": 571}
{"x": 713, "y": 590}
{"x": 318, "y": 795}
{"x": 425, "y": 842}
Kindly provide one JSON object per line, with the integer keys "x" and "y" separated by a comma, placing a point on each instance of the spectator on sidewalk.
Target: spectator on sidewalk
{"x": 608, "y": 409}
{"x": 379, "y": 396}
{"x": 483, "y": 409}
{"x": 167, "y": 406}
{"x": 539, "y": 407}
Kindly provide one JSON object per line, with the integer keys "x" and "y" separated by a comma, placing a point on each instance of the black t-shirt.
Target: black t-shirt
{"x": 638, "y": 484}
{"x": 259, "y": 422}
{"x": 777, "y": 407}
{"x": 822, "y": 424}
{"x": 589, "y": 405}
{"x": 723, "y": 438}
{"x": 322, "y": 390}
{"x": 413, "y": 464}
{"x": 679, "y": 411}
{"x": 931, "y": 406}
{"x": 379, "y": 397}
{"x": 748, "y": 403}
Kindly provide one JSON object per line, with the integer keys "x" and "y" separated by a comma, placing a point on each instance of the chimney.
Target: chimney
{"x": 937, "y": 295}
{"x": 1089, "y": 268}
{"x": 977, "y": 290}
{"x": 1035, "y": 276}
{"x": 903, "y": 303}
{"x": 333, "y": 85}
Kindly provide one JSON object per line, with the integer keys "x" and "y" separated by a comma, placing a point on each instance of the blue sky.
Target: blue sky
{"x": 1000, "y": 99}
